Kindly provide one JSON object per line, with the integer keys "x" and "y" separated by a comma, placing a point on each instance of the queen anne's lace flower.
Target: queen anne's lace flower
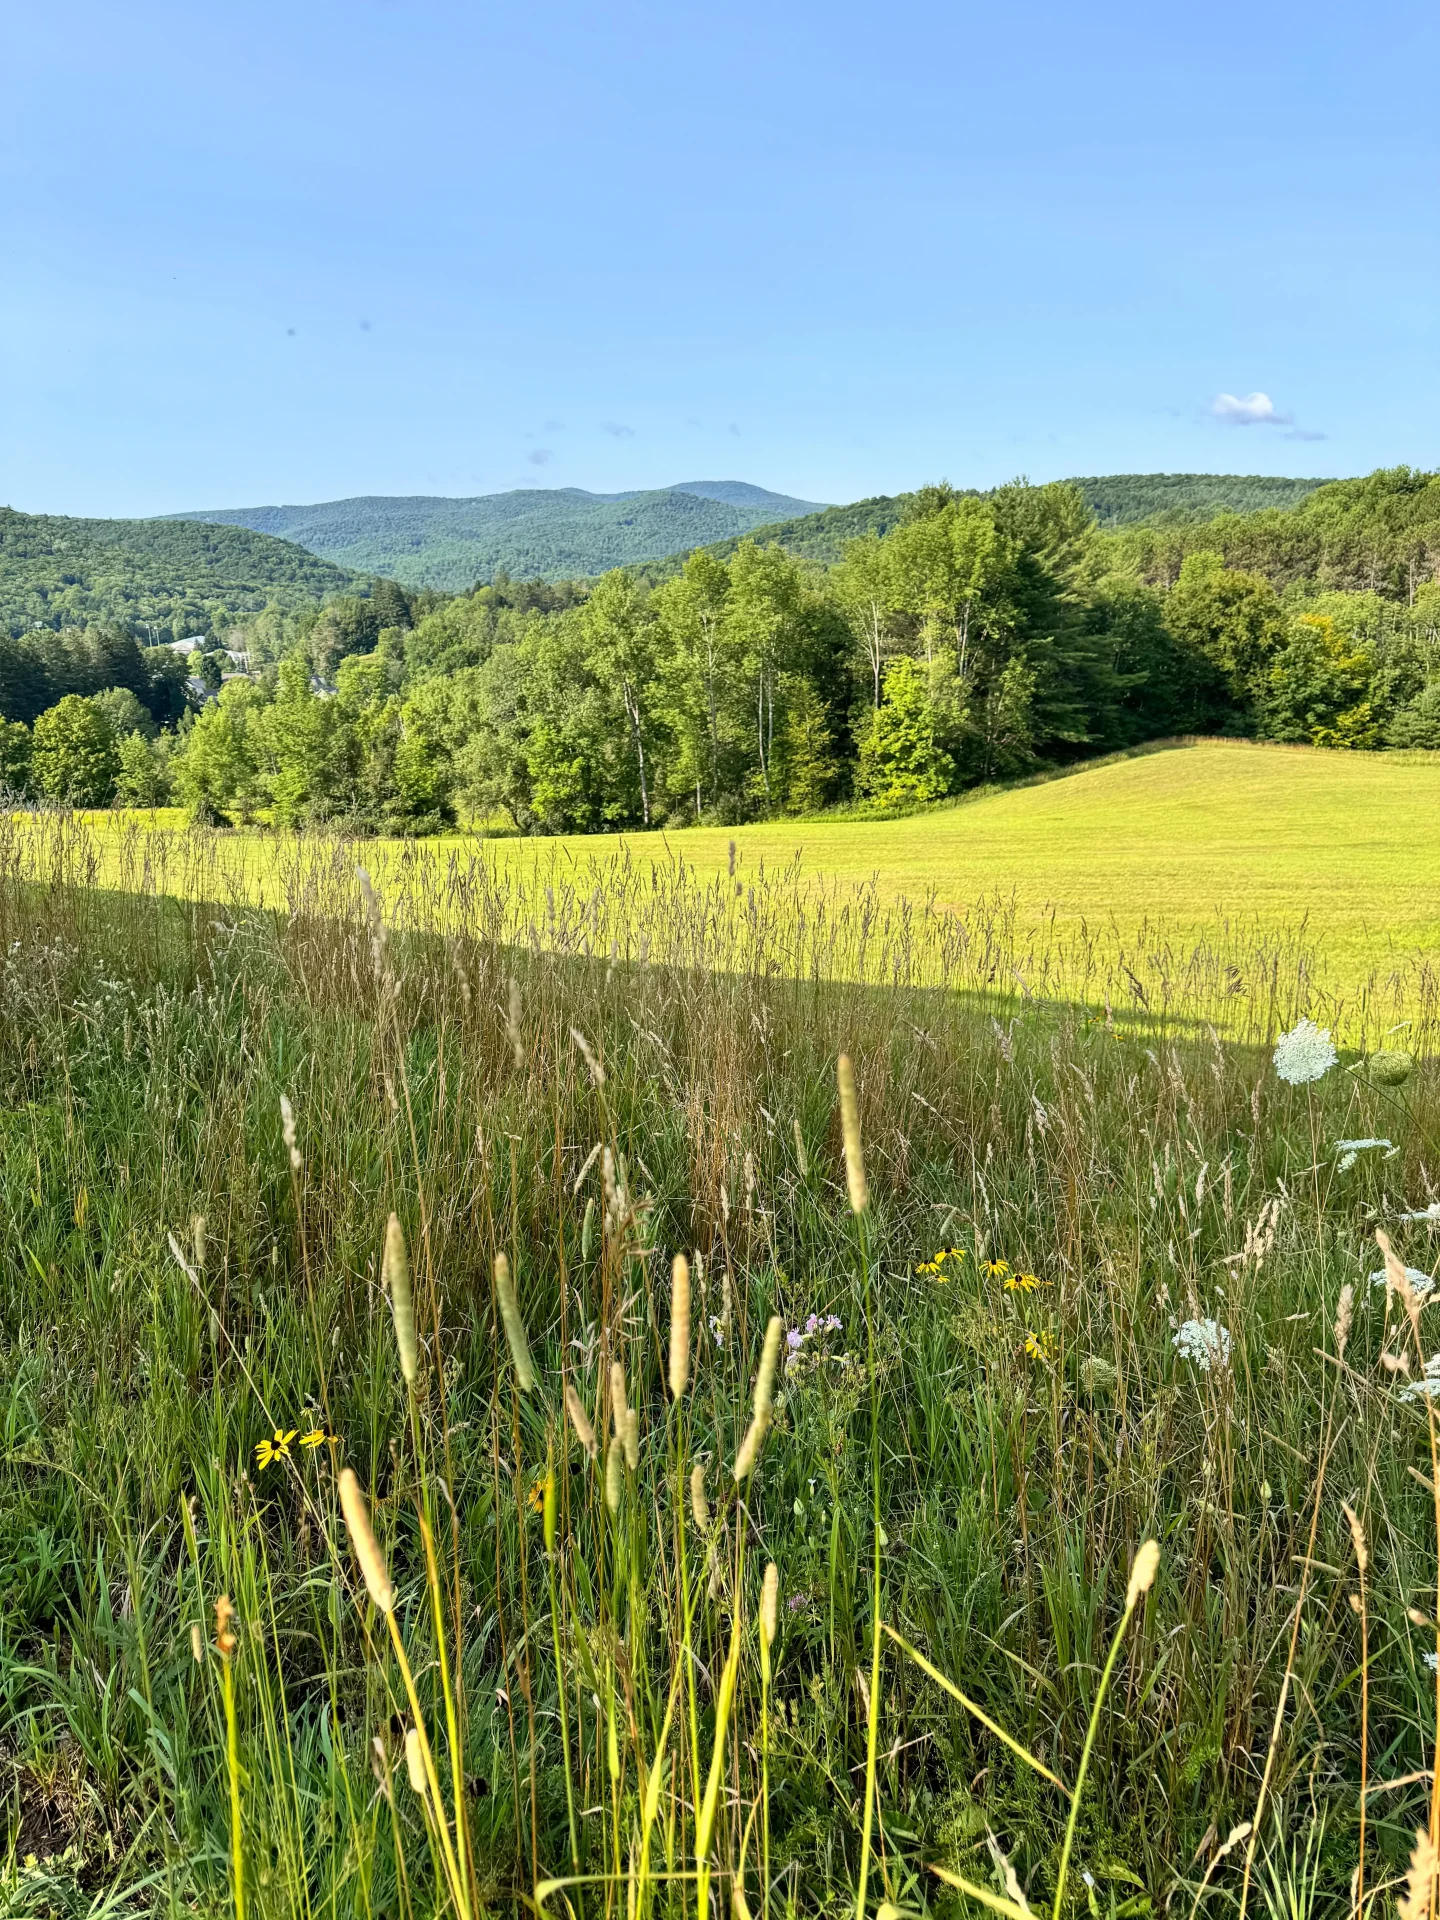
{"x": 1204, "y": 1343}
{"x": 1420, "y": 1281}
{"x": 1350, "y": 1150}
{"x": 1305, "y": 1053}
{"x": 1427, "y": 1387}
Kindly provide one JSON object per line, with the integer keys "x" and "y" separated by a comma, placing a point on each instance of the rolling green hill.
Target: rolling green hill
{"x": 169, "y": 576}
{"x": 1117, "y": 500}
{"x": 550, "y": 533}
{"x": 1121, "y": 499}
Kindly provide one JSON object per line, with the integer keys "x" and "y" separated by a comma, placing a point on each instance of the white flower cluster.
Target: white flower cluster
{"x": 1350, "y": 1150}
{"x": 1304, "y": 1054}
{"x": 1420, "y": 1281}
{"x": 1204, "y": 1343}
{"x": 1428, "y": 1385}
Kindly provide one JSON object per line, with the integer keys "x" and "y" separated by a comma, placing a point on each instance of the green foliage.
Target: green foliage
{"x": 1232, "y": 619}
{"x": 73, "y": 756}
{"x": 40, "y": 668}
{"x": 15, "y": 748}
{"x": 143, "y": 776}
{"x": 902, "y": 761}
{"x": 216, "y": 772}
{"x": 166, "y": 577}
{"x": 1315, "y": 687}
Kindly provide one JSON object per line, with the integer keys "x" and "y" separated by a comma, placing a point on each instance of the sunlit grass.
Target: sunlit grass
{"x": 1266, "y": 840}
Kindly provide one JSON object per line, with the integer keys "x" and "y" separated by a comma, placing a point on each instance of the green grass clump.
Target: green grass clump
{"x": 580, "y": 1668}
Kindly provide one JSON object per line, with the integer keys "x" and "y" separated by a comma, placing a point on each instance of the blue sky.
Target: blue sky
{"x": 289, "y": 252}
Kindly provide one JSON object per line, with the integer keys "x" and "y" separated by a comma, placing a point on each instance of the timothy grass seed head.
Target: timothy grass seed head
{"x": 367, "y": 1547}
{"x": 402, "y": 1307}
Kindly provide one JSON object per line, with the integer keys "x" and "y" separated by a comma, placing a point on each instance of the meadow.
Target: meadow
{"x": 1337, "y": 851}
{"x": 801, "y": 1578}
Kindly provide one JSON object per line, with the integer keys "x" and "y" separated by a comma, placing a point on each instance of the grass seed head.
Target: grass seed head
{"x": 367, "y": 1547}
{"x": 614, "y": 1473}
{"x": 224, "y": 1625}
{"x": 750, "y": 1449}
{"x": 197, "y": 1642}
{"x": 1344, "y": 1313}
{"x": 631, "y": 1439}
{"x": 514, "y": 1325}
{"x": 1142, "y": 1573}
{"x": 1399, "y": 1280}
{"x": 618, "y": 1402}
{"x": 1416, "y": 1901}
{"x": 402, "y": 1307}
{"x": 769, "y": 1361}
{"x": 287, "y": 1133}
{"x": 679, "y": 1326}
{"x": 699, "y": 1505}
{"x": 414, "y": 1761}
{"x": 770, "y": 1605}
{"x": 512, "y": 1024}
{"x": 850, "y": 1133}
{"x": 580, "y": 1420}
{"x": 1357, "y": 1535}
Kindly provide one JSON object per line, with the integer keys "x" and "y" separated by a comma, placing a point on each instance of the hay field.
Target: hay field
{"x": 1260, "y": 860}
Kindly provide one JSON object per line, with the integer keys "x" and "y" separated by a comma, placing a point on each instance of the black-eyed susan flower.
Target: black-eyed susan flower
{"x": 535, "y": 1498}
{"x": 319, "y": 1437}
{"x": 277, "y": 1447}
{"x": 1040, "y": 1346}
{"x": 995, "y": 1269}
{"x": 1023, "y": 1282}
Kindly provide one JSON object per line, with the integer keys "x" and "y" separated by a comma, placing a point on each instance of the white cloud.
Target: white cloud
{"x": 1254, "y": 410}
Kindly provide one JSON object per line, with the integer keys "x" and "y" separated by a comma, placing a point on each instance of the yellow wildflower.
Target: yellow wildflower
{"x": 277, "y": 1447}
{"x": 1040, "y": 1346}
{"x": 995, "y": 1269}
{"x": 319, "y": 1436}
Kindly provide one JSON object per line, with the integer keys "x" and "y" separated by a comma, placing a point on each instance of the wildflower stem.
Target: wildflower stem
{"x": 1131, "y": 1600}
{"x": 872, "y": 1731}
{"x": 232, "y": 1765}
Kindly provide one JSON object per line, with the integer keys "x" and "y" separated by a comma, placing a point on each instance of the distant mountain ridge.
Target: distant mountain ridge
{"x": 434, "y": 541}
{"x": 556, "y": 533}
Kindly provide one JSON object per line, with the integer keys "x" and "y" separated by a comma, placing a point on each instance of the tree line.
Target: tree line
{"x": 977, "y": 638}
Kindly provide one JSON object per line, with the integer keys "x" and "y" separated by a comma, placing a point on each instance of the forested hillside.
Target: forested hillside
{"x": 957, "y": 639}
{"x": 1116, "y": 500}
{"x": 550, "y": 533}
{"x": 162, "y": 578}
{"x": 1120, "y": 499}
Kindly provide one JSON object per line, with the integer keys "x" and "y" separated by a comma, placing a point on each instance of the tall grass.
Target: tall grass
{"x": 435, "y": 1180}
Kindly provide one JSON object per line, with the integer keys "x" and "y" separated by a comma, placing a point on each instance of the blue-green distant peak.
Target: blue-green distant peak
{"x": 433, "y": 541}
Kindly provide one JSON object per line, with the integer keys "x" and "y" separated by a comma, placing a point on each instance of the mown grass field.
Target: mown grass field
{"x": 1186, "y": 836}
